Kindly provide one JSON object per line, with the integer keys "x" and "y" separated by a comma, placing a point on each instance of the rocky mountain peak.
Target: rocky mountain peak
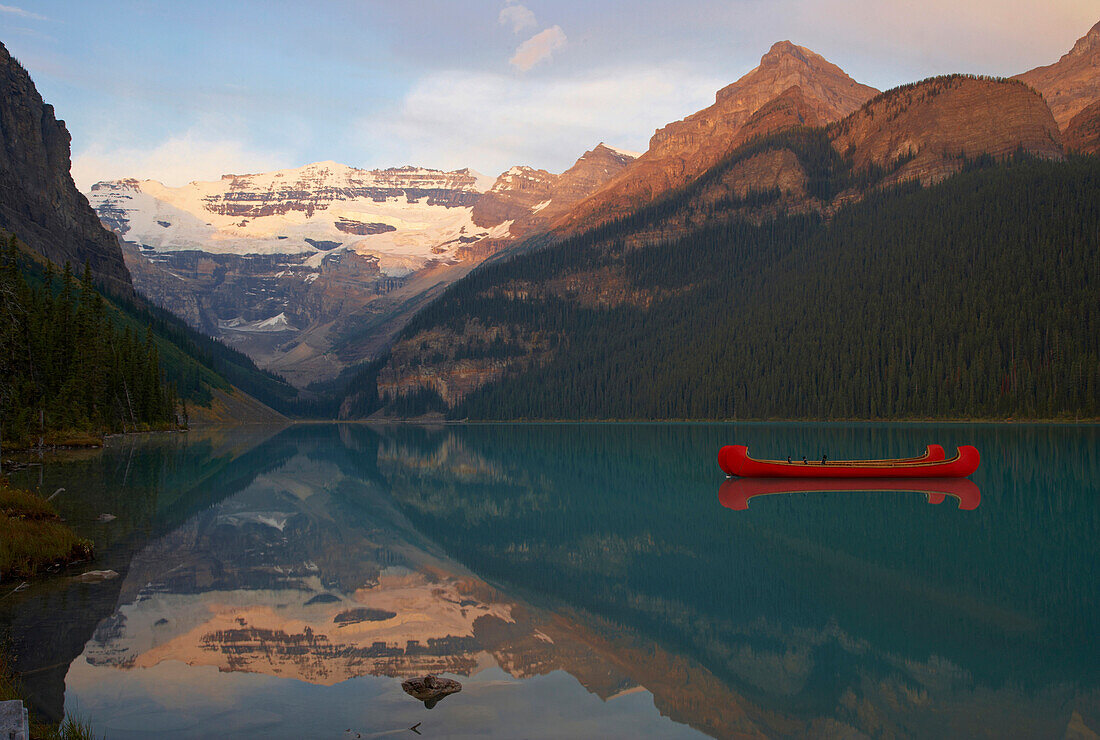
{"x": 787, "y": 64}
{"x": 525, "y": 179}
{"x": 604, "y": 151}
{"x": 806, "y": 89}
{"x": 786, "y": 52}
{"x": 824, "y": 87}
{"x": 530, "y": 198}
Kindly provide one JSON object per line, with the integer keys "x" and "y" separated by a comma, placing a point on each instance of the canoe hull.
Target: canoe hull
{"x": 735, "y": 460}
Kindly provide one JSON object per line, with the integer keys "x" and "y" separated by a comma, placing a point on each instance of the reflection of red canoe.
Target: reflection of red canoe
{"x": 735, "y": 493}
{"x": 735, "y": 460}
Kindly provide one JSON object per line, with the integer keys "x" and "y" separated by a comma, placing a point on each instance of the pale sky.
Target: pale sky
{"x": 180, "y": 91}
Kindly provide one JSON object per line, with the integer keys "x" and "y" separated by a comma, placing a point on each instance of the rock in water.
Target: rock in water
{"x": 96, "y": 576}
{"x": 430, "y": 689}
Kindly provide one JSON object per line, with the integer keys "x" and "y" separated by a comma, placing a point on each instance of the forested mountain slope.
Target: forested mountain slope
{"x": 76, "y": 361}
{"x": 971, "y": 298}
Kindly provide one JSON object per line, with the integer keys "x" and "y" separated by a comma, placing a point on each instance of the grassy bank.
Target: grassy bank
{"x": 33, "y": 537}
{"x": 55, "y": 438}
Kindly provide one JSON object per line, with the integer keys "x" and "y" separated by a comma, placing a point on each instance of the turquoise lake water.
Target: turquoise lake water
{"x": 578, "y": 580}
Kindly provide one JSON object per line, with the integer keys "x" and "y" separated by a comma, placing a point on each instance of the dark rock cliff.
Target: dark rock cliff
{"x": 39, "y": 202}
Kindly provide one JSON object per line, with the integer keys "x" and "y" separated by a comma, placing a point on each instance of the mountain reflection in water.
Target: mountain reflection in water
{"x": 581, "y": 579}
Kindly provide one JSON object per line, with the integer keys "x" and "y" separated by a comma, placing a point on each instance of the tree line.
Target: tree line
{"x": 65, "y": 365}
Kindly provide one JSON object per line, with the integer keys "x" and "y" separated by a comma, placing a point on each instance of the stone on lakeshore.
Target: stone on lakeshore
{"x": 13, "y": 721}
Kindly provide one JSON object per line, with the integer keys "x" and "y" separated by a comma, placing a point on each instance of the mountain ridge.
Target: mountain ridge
{"x": 681, "y": 151}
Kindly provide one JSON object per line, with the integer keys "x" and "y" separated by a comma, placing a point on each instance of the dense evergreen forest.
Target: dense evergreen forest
{"x": 974, "y": 298}
{"x": 66, "y": 367}
{"x": 73, "y": 360}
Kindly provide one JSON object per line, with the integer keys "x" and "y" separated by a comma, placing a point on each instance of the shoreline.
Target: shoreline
{"x": 458, "y": 422}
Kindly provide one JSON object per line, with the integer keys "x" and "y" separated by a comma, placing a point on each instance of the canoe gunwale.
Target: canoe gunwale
{"x": 930, "y": 455}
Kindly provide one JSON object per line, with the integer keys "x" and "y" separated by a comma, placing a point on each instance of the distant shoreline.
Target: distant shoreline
{"x": 416, "y": 421}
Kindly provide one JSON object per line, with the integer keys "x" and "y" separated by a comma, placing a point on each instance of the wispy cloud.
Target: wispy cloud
{"x": 493, "y": 121}
{"x": 519, "y": 17}
{"x": 538, "y": 48}
{"x": 31, "y": 33}
{"x": 175, "y": 161}
{"x": 12, "y": 10}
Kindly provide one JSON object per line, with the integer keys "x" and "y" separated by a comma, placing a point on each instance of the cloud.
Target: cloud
{"x": 12, "y": 10}
{"x": 518, "y": 17}
{"x": 176, "y": 161}
{"x": 492, "y": 121}
{"x": 539, "y": 47}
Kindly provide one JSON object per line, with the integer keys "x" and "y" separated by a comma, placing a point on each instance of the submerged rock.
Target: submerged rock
{"x": 430, "y": 689}
{"x": 94, "y": 576}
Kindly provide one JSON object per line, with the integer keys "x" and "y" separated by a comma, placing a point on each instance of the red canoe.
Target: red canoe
{"x": 735, "y": 493}
{"x": 735, "y": 460}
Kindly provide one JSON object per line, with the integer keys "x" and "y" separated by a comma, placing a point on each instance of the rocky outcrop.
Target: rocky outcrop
{"x": 430, "y": 689}
{"x": 789, "y": 109}
{"x": 460, "y": 362}
{"x": 349, "y": 226}
{"x": 1082, "y": 134}
{"x": 39, "y": 202}
{"x": 1073, "y": 82}
{"x": 165, "y": 288}
{"x": 933, "y": 125}
{"x": 791, "y": 86}
{"x": 320, "y": 185}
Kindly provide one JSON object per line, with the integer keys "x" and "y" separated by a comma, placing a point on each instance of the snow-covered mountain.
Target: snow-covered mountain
{"x": 404, "y": 216}
{"x": 311, "y": 269}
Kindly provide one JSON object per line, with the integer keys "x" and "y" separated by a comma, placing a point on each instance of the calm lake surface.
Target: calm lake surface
{"x": 578, "y": 580}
